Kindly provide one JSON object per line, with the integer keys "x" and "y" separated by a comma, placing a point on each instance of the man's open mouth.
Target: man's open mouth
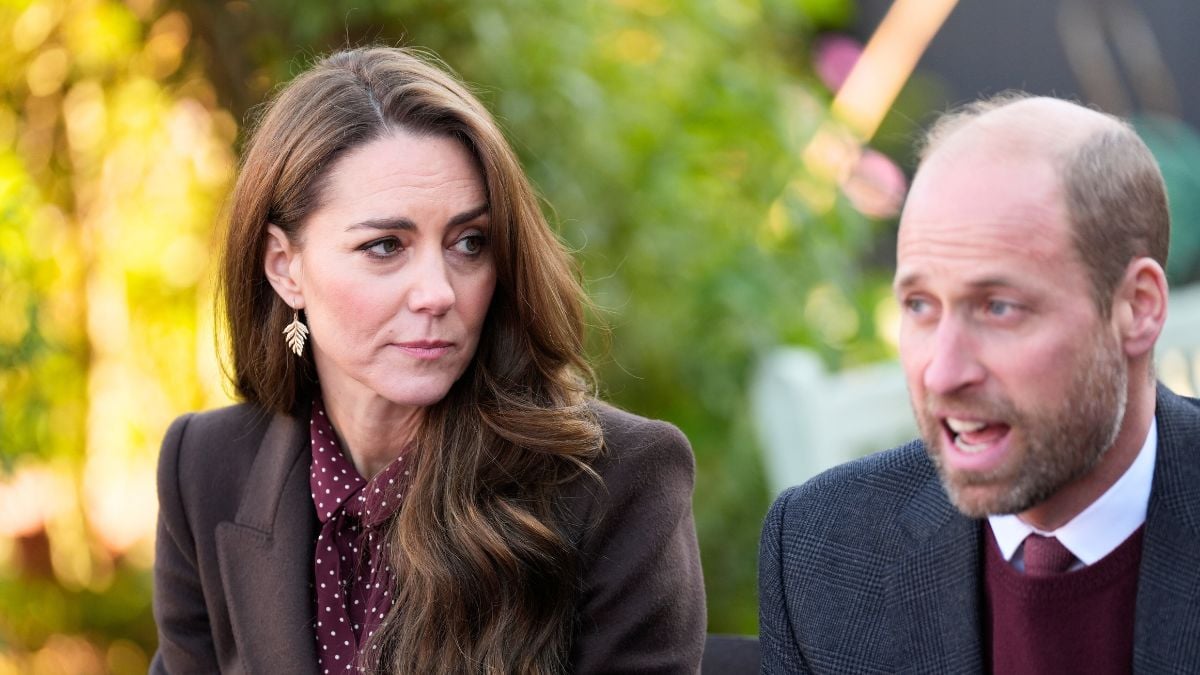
{"x": 974, "y": 436}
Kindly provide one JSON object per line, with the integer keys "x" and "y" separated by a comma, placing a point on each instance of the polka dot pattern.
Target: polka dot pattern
{"x": 352, "y": 573}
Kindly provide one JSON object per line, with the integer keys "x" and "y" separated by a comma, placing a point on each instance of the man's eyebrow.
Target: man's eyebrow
{"x": 407, "y": 224}
{"x": 915, "y": 278}
{"x": 908, "y": 280}
{"x": 992, "y": 282}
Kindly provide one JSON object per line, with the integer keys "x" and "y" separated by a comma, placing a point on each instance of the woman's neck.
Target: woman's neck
{"x": 372, "y": 431}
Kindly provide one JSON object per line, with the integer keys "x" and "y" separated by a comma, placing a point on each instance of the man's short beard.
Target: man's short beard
{"x": 1057, "y": 445}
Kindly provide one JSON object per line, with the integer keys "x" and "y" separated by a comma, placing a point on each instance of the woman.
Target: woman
{"x": 417, "y": 480}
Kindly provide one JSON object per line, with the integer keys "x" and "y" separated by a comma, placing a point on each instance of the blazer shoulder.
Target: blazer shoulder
{"x": 628, "y": 436}
{"x": 234, "y": 425}
{"x": 1177, "y": 467}
{"x": 642, "y": 460}
{"x": 209, "y": 453}
{"x": 901, "y": 466}
{"x": 869, "y": 491}
{"x": 641, "y": 605}
{"x": 1178, "y": 417}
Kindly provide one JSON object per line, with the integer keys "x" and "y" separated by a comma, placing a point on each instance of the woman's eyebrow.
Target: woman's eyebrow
{"x": 383, "y": 224}
{"x": 403, "y": 223}
{"x": 468, "y": 216}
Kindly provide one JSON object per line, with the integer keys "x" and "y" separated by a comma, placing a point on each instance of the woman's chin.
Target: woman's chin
{"x": 416, "y": 397}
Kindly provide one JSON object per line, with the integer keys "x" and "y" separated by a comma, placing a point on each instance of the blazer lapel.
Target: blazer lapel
{"x": 1167, "y": 625}
{"x": 266, "y": 557}
{"x": 934, "y": 597}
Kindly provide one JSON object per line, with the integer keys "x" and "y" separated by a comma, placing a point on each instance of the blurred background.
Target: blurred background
{"x": 728, "y": 173}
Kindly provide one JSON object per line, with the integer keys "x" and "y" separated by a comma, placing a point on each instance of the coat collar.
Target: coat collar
{"x": 1167, "y": 625}
{"x": 266, "y": 555}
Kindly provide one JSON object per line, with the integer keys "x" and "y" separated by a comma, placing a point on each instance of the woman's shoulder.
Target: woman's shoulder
{"x": 639, "y": 451}
{"x": 210, "y": 461}
{"x": 641, "y": 605}
{"x": 211, "y": 451}
{"x": 232, "y": 429}
{"x": 238, "y": 417}
{"x": 629, "y": 435}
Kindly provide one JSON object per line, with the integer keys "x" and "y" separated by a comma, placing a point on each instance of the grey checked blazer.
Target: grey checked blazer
{"x": 868, "y": 568}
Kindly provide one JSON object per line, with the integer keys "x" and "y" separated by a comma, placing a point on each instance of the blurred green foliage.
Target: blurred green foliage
{"x": 114, "y": 159}
{"x": 665, "y": 135}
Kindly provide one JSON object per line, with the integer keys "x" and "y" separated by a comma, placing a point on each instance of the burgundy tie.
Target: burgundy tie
{"x": 1045, "y": 556}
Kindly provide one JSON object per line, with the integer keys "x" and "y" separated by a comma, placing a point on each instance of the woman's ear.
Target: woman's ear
{"x": 281, "y": 262}
{"x": 1140, "y": 306}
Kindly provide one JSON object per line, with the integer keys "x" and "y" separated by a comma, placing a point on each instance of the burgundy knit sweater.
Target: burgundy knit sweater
{"x": 1076, "y": 622}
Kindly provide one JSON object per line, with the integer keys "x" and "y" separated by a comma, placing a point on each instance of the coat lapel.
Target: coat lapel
{"x": 266, "y": 557}
{"x": 935, "y": 596}
{"x": 1167, "y": 627}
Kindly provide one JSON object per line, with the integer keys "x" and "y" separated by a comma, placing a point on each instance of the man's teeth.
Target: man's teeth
{"x": 969, "y": 448}
{"x": 961, "y": 427}
{"x": 964, "y": 426}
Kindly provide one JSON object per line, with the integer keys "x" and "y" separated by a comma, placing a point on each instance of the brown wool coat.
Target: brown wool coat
{"x": 236, "y": 530}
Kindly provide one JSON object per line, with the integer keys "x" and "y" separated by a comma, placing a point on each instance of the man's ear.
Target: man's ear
{"x": 281, "y": 262}
{"x": 1140, "y": 306}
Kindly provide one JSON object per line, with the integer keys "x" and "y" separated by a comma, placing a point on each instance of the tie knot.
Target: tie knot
{"x": 1045, "y": 556}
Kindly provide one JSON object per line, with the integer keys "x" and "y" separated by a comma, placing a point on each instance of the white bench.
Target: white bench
{"x": 809, "y": 419}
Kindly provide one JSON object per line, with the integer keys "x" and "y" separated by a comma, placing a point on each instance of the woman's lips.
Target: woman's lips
{"x": 427, "y": 350}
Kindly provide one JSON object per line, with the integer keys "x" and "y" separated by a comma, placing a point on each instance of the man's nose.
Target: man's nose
{"x": 431, "y": 290}
{"x": 953, "y": 361}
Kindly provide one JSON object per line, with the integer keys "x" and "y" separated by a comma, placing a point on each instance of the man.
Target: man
{"x": 1049, "y": 520}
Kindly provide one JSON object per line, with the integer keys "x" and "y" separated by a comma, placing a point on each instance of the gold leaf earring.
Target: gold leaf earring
{"x": 296, "y": 333}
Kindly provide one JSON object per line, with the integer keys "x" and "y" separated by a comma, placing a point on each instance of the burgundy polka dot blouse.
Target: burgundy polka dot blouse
{"x": 353, "y": 577}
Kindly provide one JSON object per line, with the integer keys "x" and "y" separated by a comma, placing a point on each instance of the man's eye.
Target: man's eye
{"x": 999, "y": 308}
{"x": 382, "y": 248}
{"x": 916, "y": 305}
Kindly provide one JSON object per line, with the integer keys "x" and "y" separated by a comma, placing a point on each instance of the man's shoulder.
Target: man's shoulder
{"x": 1178, "y": 417}
{"x": 1177, "y": 464}
{"x": 898, "y": 472}
{"x": 829, "y": 549}
{"x": 865, "y": 497}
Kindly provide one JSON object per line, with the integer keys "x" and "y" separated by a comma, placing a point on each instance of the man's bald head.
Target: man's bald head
{"x": 1030, "y": 125}
{"x": 1110, "y": 183}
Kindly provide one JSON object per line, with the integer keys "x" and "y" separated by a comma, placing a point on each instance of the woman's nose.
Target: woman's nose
{"x": 431, "y": 290}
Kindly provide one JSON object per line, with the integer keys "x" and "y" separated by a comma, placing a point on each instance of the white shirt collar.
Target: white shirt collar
{"x": 1104, "y": 524}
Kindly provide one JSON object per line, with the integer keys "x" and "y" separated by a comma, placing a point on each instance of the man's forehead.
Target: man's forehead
{"x": 975, "y": 192}
{"x": 1028, "y": 228}
{"x": 990, "y": 251}
{"x": 984, "y": 210}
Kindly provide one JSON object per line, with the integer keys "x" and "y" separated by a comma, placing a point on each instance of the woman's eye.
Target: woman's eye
{"x": 471, "y": 243}
{"x": 382, "y": 248}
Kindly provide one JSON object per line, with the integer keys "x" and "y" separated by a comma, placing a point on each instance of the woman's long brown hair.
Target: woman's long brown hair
{"x": 487, "y": 580}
